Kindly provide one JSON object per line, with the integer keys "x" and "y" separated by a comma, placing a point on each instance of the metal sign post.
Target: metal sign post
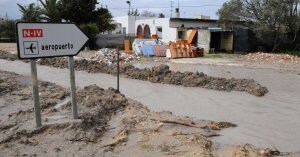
{"x": 35, "y": 94}
{"x": 43, "y": 40}
{"x": 118, "y": 70}
{"x": 73, "y": 88}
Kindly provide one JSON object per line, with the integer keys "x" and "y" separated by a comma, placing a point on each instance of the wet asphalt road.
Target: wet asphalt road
{"x": 272, "y": 120}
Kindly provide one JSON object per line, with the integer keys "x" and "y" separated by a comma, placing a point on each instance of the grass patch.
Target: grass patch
{"x": 221, "y": 55}
{"x": 294, "y": 53}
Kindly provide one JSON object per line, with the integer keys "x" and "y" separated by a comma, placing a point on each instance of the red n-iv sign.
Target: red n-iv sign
{"x": 29, "y": 33}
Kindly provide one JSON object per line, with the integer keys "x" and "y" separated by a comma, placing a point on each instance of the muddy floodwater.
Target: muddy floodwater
{"x": 271, "y": 120}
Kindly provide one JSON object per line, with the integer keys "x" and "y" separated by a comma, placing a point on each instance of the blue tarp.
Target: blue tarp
{"x": 148, "y": 50}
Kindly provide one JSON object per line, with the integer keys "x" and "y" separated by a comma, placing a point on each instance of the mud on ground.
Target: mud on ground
{"x": 158, "y": 74}
{"x": 109, "y": 125}
{"x": 162, "y": 74}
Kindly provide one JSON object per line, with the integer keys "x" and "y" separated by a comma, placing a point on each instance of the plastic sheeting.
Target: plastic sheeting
{"x": 149, "y": 47}
{"x": 148, "y": 50}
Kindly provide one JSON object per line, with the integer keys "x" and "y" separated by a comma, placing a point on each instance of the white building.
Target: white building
{"x": 211, "y": 34}
{"x": 127, "y": 23}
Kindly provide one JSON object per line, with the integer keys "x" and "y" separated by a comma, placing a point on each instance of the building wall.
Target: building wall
{"x": 118, "y": 29}
{"x": 193, "y": 24}
{"x": 204, "y": 38}
{"x": 123, "y": 20}
{"x": 129, "y": 23}
{"x": 227, "y": 41}
{"x": 202, "y": 17}
{"x": 167, "y": 34}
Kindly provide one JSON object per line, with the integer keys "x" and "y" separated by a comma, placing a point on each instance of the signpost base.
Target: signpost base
{"x": 73, "y": 88}
{"x": 35, "y": 93}
{"x": 118, "y": 70}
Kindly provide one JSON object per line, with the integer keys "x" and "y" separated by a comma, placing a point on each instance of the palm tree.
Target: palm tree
{"x": 51, "y": 11}
{"x": 31, "y": 13}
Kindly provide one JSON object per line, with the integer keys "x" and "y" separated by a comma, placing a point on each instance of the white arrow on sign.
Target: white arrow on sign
{"x": 40, "y": 40}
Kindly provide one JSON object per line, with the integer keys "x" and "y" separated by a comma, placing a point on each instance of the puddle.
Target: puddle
{"x": 63, "y": 103}
{"x": 24, "y": 81}
{"x": 133, "y": 138}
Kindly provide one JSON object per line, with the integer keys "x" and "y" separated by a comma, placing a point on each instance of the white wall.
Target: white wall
{"x": 118, "y": 29}
{"x": 123, "y": 20}
{"x": 204, "y": 40}
{"x": 168, "y": 34}
{"x": 193, "y": 24}
{"x": 129, "y": 22}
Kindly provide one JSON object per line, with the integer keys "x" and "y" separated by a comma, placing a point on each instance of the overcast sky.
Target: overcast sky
{"x": 188, "y": 8}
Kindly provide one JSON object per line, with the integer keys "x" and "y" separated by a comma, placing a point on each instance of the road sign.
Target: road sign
{"x": 40, "y": 40}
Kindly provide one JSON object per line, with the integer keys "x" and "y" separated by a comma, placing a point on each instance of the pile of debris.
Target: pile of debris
{"x": 109, "y": 124}
{"x": 109, "y": 56}
{"x": 162, "y": 74}
{"x": 8, "y": 56}
{"x": 273, "y": 58}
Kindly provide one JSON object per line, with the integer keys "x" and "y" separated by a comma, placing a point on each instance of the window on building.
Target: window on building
{"x": 124, "y": 30}
{"x": 159, "y": 29}
{"x": 147, "y": 32}
{"x": 181, "y": 34}
{"x": 159, "y": 32}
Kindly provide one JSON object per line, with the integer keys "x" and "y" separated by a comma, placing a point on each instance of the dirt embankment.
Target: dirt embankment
{"x": 8, "y": 56}
{"x": 162, "y": 74}
{"x": 109, "y": 124}
{"x": 159, "y": 74}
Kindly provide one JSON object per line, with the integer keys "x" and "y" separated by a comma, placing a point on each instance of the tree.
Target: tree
{"x": 230, "y": 11}
{"x": 78, "y": 11}
{"x": 30, "y": 13}
{"x": 104, "y": 20}
{"x": 85, "y": 12}
{"x": 161, "y": 15}
{"x": 275, "y": 22}
{"x": 50, "y": 11}
{"x": 90, "y": 28}
{"x": 7, "y": 29}
{"x": 148, "y": 14}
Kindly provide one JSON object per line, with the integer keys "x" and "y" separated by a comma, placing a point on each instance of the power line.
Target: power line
{"x": 172, "y": 8}
{"x": 191, "y": 6}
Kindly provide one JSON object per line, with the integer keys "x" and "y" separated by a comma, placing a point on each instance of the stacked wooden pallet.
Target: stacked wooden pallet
{"x": 182, "y": 49}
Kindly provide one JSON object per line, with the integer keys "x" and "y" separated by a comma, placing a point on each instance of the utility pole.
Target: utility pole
{"x": 129, "y": 3}
{"x": 172, "y": 8}
{"x": 177, "y": 11}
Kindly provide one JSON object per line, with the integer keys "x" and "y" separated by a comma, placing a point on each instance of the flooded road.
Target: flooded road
{"x": 272, "y": 120}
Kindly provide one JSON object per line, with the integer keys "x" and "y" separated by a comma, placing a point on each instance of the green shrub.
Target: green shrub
{"x": 294, "y": 53}
{"x": 7, "y": 29}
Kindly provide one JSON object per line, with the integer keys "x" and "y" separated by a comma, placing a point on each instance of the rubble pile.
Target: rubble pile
{"x": 7, "y": 83}
{"x": 96, "y": 106}
{"x": 273, "y": 58}
{"x": 49, "y": 93}
{"x": 8, "y": 56}
{"x": 162, "y": 74}
{"x": 109, "y": 56}
{"x": 109, "y": 124}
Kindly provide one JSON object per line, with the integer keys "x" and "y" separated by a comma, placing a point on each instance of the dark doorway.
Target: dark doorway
{"x": 222, "y": 41}
{"x": 215, "y": 41}
{"x": 195, "y": 39}
{"x": 147, "y": 33}
{"x": 139, "y": 32}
